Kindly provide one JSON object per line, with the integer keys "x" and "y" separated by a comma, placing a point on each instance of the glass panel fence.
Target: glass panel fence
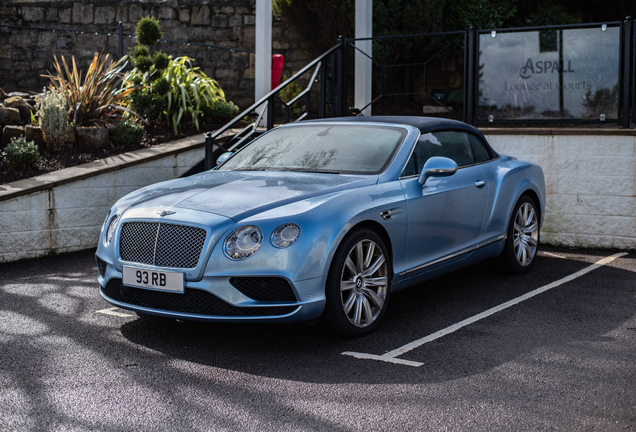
{"x": 549, "y": 74}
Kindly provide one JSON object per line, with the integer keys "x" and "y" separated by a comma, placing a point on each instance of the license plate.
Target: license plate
{"x": 153, "y": 279}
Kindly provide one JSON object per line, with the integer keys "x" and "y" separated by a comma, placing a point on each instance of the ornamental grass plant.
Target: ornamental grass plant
{"x": 96, "y": 98}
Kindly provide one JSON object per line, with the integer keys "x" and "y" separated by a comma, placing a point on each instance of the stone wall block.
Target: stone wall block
{"x": 219, "y": 21}
{"x": 83, "y": 216}
{"x": 65, "y": 16}
{"x": 249, "y": 20}
{"x": 50, "y": 14}
{"x": 184, "y": 15}
{"x": 122, "y": 13}
{"x": 73, "y": 196}
{"x": 105, "y": 14}
{"x": 83, "y": 13}
{"x": 22, "y": 38}
{"x": 21, "y": 221}
{"x": 235, "y": 21}
{"x": 45, "y": 38}
{"x": 200, "y": 35}
{"x": 166, "y": 13}
{"x": 26, "y": 242}
{"x": 64, "y": 43}
{"x": 200, "y": 15}
{"x": 34, "y": 201}
{"x": 227, "y": 9}
{"x": 33, "y": 14}
{"x": 135, "y": 13}
{"x": 75, "y": 238}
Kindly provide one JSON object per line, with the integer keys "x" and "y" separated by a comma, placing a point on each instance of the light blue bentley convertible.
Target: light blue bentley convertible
{"x": 321, "y": 220}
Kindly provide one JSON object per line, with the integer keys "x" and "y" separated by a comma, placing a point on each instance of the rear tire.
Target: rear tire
{"x": 522, "y": 242}
{"x": 358, "y": 285}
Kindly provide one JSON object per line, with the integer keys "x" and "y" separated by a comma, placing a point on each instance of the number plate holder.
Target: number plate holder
{"x": 158, "y": 280}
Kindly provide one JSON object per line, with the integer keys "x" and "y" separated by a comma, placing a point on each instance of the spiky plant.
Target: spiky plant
{"x": 98, "y": 97}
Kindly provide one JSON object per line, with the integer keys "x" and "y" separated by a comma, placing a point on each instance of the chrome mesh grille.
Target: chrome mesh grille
{"x": 161, "y": 244}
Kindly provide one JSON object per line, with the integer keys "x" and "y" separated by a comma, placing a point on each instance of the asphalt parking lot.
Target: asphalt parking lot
{"x": 551, "y": 350}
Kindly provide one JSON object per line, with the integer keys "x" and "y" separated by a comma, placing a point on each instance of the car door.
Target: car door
{"x": 446, "y": 214}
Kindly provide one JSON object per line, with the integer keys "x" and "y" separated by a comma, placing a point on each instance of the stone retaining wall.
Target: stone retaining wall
{"x": 63, "y": 211}
{"x": 27, "y": 54}
{"x": 590, "y": 180}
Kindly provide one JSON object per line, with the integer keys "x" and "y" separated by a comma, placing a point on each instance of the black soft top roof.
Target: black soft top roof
{"x": 424, "y": 124}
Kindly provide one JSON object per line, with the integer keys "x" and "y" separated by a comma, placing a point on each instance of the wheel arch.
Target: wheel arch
{"x": 379, "y": 230}
{"x": 535, "y": 197}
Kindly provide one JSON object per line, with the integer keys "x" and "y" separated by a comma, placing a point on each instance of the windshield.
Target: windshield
{"x": 341, "y": 148}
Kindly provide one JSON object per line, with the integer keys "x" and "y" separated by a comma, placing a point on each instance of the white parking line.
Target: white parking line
{"x": 113, "y": 311}
{"x": 391, "y": 355}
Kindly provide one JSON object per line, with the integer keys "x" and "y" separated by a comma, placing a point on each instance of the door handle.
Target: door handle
{"x": 480, "y": 183}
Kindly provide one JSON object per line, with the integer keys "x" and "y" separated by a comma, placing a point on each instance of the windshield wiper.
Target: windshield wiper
{"x": 307, "y": 170}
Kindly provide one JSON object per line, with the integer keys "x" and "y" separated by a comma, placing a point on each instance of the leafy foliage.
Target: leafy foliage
{"x": 160, "y": 60}
{"x": 53, "y": 118}
{"x": 176, "y": 95}
{"x": 219, "y": 110}
{"x": 480, "y": 14}
{"x": 143, "y": 63}
{"x": 290, "y": 92}
{"x": 138, "y": 51}
{"x": 148, "y": 31}
{"x": 21, "y": 155}
{"x": 127, "y": 134}
{"x": 95, "y": 98}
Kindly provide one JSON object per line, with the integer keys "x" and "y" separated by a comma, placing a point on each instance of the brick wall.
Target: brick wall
{"x": 27, "y": 54}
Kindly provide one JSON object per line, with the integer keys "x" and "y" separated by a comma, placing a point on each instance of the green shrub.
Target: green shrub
{"x": 127, "y": 134}
{"x": 161, "y": 60}
{"x": 148, "y": 31}
{"x": 143, "y": 63}
{"x": 21, "y": 155}
{"x": 53, "y": 118}
{"x": 219, "y": 110}
{"x": 138, "y": 51}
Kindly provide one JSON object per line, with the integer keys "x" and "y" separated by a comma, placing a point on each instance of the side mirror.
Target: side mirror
{"x": 437, "y": 166}
{"x": 225, "y": 156}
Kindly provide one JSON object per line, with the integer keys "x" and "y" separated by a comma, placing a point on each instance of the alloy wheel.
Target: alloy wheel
{"x": 364, "y": 283}
{"x": 526, "y": 234}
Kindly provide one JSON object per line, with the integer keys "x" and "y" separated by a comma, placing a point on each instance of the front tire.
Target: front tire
{"x": 522, "y": 242}
{"x": 358, "y": 285}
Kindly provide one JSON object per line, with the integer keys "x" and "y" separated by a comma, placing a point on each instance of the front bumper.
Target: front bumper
{"x": 214, "y": 299}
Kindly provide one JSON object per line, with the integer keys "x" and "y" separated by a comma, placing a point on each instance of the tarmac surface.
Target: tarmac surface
{"x": 561, "y": 359}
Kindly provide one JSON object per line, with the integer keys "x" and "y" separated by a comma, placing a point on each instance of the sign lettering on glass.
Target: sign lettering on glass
{"x": 549, "y": 74}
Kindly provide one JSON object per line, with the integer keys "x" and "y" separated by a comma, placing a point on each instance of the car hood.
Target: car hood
{"x": 240, "y": 194}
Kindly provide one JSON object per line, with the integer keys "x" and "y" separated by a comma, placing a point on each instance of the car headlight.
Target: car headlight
{"x": 242, "y": 243}
{"x": 285, "y": 235}
{"x": 110, "y": 232}
{"x": 105, "y": 221}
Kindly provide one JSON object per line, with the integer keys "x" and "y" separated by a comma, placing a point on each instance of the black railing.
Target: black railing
{"x": 265, "y": 108}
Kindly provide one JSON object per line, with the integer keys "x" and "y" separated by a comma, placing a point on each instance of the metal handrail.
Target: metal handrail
{"x": 272, "y": 93}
